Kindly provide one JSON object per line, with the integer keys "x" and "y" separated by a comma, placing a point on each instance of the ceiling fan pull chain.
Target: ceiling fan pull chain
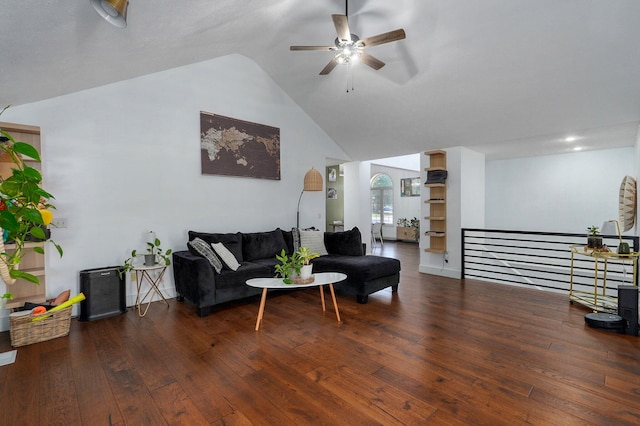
{"x": 350, "y": 74}
{"x": 352, "y": 79}
{"x": 348, "y": 78}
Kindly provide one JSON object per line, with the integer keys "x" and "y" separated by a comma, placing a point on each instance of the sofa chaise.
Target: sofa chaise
{"x": 206, "y": 281}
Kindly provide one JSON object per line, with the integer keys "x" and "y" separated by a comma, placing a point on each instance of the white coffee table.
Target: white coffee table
{"x": 320, "y": 280}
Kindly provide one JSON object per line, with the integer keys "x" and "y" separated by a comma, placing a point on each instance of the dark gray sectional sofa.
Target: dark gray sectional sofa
{"x": 197, "y": 281}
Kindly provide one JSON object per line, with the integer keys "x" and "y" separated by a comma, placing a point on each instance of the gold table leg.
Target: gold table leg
{"x": 144, "y": 275}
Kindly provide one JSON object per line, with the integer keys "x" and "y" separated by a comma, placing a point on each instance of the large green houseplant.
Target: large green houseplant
{"x": 24, "y": 209}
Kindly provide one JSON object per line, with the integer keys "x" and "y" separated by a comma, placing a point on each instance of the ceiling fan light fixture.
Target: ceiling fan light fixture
{"x": 113, "y": 11}
{"x": 348, "y": 54}
{"x": 350, "y": 48}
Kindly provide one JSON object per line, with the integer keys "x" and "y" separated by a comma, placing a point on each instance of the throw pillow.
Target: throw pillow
{"x": 227, "y": 257}
{"x": 205, "y": 250}
{"x": 288, "y": 239}
{"x": 295, "y": 233}
{"x": 347, "y": 243}
{"x": 232, "y": 241}
{"x": 314, "y": 241}
{"x": 262, "y": 245}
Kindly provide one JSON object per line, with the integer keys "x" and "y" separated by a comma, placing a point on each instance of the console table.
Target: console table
{"x": 597, "y": 299}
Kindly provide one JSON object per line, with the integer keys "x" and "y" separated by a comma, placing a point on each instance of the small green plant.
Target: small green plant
{"x": 415, "y": 224}
{"x": 403, "y": 222}
{"x": 153, "y": 248}
{"x": 289, "y": 265}
{"x": 593, "y": 230}
{"x": 306, "y": 255}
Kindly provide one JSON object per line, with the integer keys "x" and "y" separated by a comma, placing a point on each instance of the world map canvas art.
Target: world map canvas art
{"x": 233, "y": 147}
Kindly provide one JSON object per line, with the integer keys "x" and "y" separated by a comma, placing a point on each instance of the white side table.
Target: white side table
{"x": 153, "y": 276}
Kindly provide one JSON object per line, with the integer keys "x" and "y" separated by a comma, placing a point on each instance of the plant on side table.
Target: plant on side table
{"x": 153, "y": 254}
{"x": 594, "y": 239}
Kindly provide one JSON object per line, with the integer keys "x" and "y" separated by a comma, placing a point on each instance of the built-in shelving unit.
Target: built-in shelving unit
{"x": 22, "y": 290}
{"x": 437, "y": 201}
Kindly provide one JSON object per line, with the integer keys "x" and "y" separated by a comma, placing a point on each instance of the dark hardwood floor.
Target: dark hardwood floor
{"x": 440, "y": 351}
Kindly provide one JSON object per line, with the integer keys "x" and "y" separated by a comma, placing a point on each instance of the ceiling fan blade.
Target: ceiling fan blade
{"x": 342, "y": 27}
{"x": 383, "y": 38}
{"x": 312, "y": 48}
{"x": 373, "y": 62}
{"x": 329, "y": 67}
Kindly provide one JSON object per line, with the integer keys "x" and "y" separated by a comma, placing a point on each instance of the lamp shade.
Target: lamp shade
{"x": 114, "y": 11}
{"x": 609, "y": 228}
{"x": 313, "y": 180}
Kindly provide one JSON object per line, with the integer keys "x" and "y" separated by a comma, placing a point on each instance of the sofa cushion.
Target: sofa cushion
{"x": 262, "y": 245}
{"x": 226, "y": 256}
{"x": 232, "y": 241}
{"x": 200, "y": 247}
{"x": 288, "y": 239}
{"x": 314, "y": 241}
{"x": 357, "y": 268}
{"x": 230, "y": 279}
{"x": 348, "y": 243}
{"x": 270, "y": 264}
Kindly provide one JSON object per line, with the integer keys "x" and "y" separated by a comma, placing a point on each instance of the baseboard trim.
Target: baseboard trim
{"x": 443, "y": 272}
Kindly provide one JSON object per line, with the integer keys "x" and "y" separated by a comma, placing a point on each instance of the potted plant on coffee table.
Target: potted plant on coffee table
{"x": 289, "y": 267}
{"x": 306, "y": 255}
{"x": 295, "y": 269}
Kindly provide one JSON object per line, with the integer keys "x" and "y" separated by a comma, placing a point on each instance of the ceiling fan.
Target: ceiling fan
{"x": 349, "y": 47}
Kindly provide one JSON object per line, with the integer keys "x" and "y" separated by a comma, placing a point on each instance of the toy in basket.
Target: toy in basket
{"x": 27, "y": 328}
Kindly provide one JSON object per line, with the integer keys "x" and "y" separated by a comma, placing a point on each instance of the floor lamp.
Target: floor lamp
{"x": 312, "y": 182}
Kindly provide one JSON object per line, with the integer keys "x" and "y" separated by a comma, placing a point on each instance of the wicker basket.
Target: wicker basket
{"x": 25, "y": 331}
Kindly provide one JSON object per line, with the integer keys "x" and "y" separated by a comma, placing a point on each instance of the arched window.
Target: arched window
{"x": 382, "y": 199}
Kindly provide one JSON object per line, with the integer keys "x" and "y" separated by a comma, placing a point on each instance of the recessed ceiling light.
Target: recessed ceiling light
{"x": 577, "y": 148}
{"x": 571, "y": 139}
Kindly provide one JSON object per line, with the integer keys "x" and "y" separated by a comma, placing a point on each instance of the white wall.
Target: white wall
{"x": 407, "y": 162}
{"x": 357, "y": 205}
{"x": 407, "y": 207}
{"x": 124, "y": 159}
{"x": 465, "y": 209}
{"x": 636, "y": 174}
{"x": 558, "y": 193}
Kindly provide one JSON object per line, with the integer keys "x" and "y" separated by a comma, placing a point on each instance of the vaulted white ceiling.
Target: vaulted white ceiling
{"x": 504, "y": 77}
